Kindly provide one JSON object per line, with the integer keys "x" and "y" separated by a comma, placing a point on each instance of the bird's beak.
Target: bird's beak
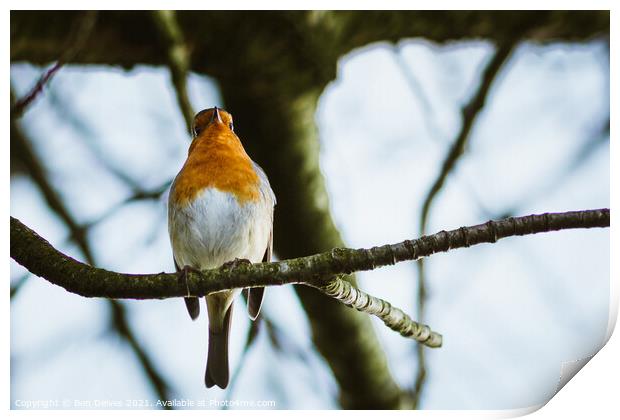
{"x": 216, "y": 115}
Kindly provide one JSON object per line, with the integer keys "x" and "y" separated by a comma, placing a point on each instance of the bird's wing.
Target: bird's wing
{"x": 265, "y": 187}
{"x": 256, "y": 294}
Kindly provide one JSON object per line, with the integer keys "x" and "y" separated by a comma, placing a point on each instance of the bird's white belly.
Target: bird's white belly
{"x": 214, "y": 229}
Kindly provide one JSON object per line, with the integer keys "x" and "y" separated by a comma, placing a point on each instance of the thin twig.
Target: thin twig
{"x": 17, "y": 284}
{"x": 88, "y": 137}
{"x": 138, "y": 195}
{"x": 76, "y": 40}
{"x": 418, "y": 92}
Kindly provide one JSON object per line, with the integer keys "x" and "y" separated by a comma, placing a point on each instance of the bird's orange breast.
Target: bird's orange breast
{"x": 216, "y": 159}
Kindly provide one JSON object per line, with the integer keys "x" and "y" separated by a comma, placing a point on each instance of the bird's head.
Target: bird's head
{"x": 211, "y": 119}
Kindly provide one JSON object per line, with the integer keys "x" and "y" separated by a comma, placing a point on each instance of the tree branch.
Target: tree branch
{"x": 318, "y": 271}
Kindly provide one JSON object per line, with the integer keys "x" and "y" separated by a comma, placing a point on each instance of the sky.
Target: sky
{"x": 511, "y": 313}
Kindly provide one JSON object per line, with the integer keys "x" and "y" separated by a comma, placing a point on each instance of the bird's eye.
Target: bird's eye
{"x": 197, "y": 131}
{"x": 231, "y": 126}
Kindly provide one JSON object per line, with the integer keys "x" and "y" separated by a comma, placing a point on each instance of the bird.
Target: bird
{"x": 220, "y": 212}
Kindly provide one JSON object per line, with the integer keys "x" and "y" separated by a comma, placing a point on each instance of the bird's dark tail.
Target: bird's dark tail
{"x": 193, "y": 307}
{"x": 217, "y": 357}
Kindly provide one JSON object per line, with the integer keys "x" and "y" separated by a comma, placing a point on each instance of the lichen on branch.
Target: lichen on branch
{"x": 392, "y": 317}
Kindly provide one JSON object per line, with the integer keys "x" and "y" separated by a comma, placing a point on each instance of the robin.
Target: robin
{"x": 220, "y": 211}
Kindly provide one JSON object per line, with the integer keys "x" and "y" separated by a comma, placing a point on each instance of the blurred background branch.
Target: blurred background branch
{"x": 468, "y": 114}
{"x": 81, "y": 31}
{"x": 22, "y": 151}
{"x": 178, "y": 59}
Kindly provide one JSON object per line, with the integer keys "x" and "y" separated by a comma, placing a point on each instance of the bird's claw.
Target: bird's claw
{"x": 237, "y": 262}
{"x": 182, "y": 276}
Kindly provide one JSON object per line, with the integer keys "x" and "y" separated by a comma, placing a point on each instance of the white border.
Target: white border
{"x": 592, "y": 393}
